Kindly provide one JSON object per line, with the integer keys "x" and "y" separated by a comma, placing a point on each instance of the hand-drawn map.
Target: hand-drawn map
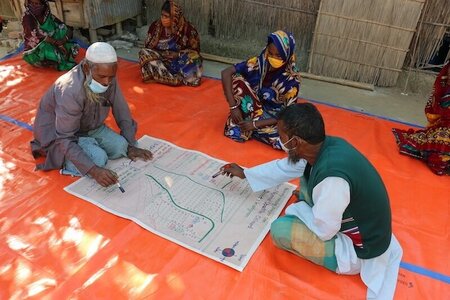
{"x": 175, "y": 197}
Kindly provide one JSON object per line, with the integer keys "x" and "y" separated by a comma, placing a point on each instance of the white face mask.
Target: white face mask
{"x": 95, "y": 86}
{"x": 283, "y": 146}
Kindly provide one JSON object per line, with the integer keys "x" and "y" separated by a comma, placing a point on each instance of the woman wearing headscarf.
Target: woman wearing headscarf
{"x": 258, "y": 88}
{"x": 172, "y": 50}
{"x": 432, "y": 144}
{"x": 46, "y": 38}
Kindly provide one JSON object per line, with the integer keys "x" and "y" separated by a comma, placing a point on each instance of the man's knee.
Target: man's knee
{"x": 119, "y": 148}
{"x": 91, "y": 147}
{"x": 280, "y": 231}
{"x": 99, "y": 157}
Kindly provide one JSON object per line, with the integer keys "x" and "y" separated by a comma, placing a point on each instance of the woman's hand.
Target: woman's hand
{"x": 61, "y": 42}
{"x": 236, "y": 116}
{"x": 247, "y": 126}
{"x": 227, "y": 84}
{"x": 50, "y": 40}
{"x": 64, "y": 51}
{"x": 170, "y": 54}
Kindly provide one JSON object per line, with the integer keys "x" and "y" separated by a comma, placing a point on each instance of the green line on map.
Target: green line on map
{"x": 222, "y": 194}
{"x": 174, "y": 203}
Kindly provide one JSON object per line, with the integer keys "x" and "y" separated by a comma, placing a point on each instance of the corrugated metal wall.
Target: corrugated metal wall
{"x": 101, "y": 13}
{"x": 89, "y": 13}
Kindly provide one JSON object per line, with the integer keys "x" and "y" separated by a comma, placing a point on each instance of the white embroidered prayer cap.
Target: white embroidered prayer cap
{"x": 101, "y": 53}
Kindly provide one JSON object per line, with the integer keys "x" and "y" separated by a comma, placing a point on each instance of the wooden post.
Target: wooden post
{"x": 93, "y": 35}
{"x": 313, "y": 43}
{"x": 119, "y": 30}
{"x": 413, "y": 55}
{"x": 139, "y": 20}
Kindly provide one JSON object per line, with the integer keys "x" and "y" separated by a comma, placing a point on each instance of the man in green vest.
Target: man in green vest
{"x": 342, "y": 219}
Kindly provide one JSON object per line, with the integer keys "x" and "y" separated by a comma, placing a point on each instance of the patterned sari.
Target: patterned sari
{"x": 431, "y": 144}
{"x": 39, "y": 53}
{"x": 261, "y": 93}
{"x": 156, "y": 63}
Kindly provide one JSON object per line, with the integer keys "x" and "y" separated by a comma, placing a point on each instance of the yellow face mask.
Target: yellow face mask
{"x": 275, "y": 62}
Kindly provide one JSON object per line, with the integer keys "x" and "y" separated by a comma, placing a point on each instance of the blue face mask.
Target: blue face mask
{"x": 96, "y": 87}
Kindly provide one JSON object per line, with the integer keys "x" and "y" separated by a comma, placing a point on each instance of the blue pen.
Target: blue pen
{"x": 118, "y": 183}
{"x": 120, "y": 187}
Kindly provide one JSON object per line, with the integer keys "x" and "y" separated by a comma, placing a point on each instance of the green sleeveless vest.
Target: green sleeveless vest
{"x": 367, "y": 219}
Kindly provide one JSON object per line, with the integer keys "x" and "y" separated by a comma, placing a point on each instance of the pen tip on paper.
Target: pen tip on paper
{"x": 120, "y": 187}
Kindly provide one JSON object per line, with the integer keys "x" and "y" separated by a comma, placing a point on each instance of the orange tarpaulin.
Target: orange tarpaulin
{"x": 55, "y": 245}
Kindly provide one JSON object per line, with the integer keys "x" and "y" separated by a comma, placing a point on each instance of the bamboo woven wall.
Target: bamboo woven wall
{"x": 254, "y": 20}
{"x": 364, "y": 40}
{"x": 249, "y": 22}
{"x": 6, "y": 10}
{"x": 435, "y": 22}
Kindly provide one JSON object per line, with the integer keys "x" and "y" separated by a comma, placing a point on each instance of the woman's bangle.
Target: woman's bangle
{"x": 234, "y": 107}
{"x": 254, "y": 124}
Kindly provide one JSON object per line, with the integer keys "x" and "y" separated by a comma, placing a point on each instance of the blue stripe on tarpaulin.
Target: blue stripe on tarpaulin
{"x": 16, "y": 122}
{"x": 14, "y": 53}
{"x": 425, "y": 272}
{"x": 81, "y": 43}
{"x": 407, "y": 266}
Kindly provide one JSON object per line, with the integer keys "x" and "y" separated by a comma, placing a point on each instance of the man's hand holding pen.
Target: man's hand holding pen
{"x": 231, "y": 170}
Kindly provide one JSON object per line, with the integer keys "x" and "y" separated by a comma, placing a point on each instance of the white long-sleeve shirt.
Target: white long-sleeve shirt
{"x": 331, "y": 197}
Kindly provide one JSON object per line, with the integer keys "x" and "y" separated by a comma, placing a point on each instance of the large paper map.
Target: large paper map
{"x": 175, "y": 197}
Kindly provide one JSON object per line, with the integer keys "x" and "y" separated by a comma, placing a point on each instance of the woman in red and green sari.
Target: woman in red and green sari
{"x": 432, "y": 144}
{"x": 46, "y": 38}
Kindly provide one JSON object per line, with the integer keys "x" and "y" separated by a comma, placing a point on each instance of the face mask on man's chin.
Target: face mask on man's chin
{"x": 283, "y": 145}
{"x": 293, "y": 157}
{"x": 95, "y": 86}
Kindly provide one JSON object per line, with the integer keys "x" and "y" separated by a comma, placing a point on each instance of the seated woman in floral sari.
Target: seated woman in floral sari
{"x": 257, "y": 89}
{"x": 432, "y": 144}
{"x": 172, "y": 50}
{"x": 46, "y": 38}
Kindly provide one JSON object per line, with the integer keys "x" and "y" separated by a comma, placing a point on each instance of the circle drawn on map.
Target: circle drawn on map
{"x": 228, "y": 252}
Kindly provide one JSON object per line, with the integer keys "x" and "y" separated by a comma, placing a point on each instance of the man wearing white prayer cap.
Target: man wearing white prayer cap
{"x": 101, "y": 53}
{"x": 69, "y": 127}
